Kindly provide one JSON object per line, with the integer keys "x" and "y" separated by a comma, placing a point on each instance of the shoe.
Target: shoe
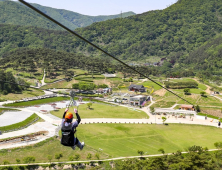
{"x": 80, "y": 145}
{"x": 73, "y": 147}
{"x": 83, "y": 144}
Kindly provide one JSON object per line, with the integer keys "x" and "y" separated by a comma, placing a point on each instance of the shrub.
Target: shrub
{"x": 29, "y": 159}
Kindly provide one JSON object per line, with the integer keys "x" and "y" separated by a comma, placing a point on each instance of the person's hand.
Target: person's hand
{"x": 75, "y": 110}
{"x": 66, "y": 109}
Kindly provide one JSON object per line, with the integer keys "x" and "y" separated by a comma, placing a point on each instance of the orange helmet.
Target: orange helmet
{"x": 69, "y": 115}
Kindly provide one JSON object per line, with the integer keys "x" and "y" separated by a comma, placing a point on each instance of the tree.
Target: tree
{"x": 164, "y": 119}
{"x": 89, "y": 105}
{"x": 218, "y": 145}
{"x": 5, "y": 162}
{"x": 97, "y": 156}
{"x": 161, "y": 150}
{"x": 198, "y": 108}
{"x": 77, "y": 157}
{"x": 186, "y": 91}
{"x": 203, "y": 94}
{"x": 140, "y": 152}
{"x": 49, "y": 158}
{"x": 89, "y": 156}
{"x": 18, "y": 161}
{"x": 71, "y": 158}
{"x": 29, "y": 159}
{"x": 152, "y": 110}
{"x": 58, "y": 156}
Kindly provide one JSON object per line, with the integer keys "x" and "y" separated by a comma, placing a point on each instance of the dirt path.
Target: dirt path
{"x": 160, "y": 92}
{"x": 208, "y": 91}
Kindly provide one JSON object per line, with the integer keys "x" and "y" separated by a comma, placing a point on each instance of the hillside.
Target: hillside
{"x": 17, "y": 14}
{"x": 174, "y": 33}
{"x": 75, "y": 20}
{"x": 207, "y": 57}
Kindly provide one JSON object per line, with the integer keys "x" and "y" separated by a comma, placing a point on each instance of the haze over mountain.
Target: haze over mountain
{"x": 175, "y": 33}
{"x": 17, "y": 14}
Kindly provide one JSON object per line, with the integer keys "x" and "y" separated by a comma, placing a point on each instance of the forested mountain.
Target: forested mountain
{"x": 175, "y": 33}
{"x": 28, "y": 59}
{"x": 75, "y": 20}
{"x": 172, "y": 32}
{"x": 17, "y": 14}
{"x": 208, "y": 57}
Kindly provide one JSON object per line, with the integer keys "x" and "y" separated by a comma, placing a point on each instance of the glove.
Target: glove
{"x": 75, "y": 110}
{"x": 66, "y": 109}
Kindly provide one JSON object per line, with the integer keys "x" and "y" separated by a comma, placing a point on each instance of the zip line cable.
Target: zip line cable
{"x": 95, "y": 46}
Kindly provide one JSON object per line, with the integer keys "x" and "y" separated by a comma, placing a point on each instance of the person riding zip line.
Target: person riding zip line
{"x": 68, "y": 130}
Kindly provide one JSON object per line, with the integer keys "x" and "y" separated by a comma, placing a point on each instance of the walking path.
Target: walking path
{"x": 43, "y": 79}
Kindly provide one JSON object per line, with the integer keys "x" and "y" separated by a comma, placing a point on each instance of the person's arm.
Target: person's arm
{"x": 65, "y": 113}
{"x": 77, "y": 116}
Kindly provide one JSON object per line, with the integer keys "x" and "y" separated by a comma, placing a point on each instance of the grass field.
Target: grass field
{"x": 36, "y": 102}
{"x": 163, "y": 104}
{"x": 104, "y": 111}
{"x": 25, "y": 94}
{"x": 7, "y": 109}
{"x": 196, "y": 99}
{"x": 126, "y": 140}
{"x": 60, "y": 85}
{"x": 117, "y": 140}
{"x": 149, "y": 84}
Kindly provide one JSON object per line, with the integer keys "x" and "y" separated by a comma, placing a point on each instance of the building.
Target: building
{"x": 106, "y": 90}
{"x": 187, "y": 107}
{"x": 137, "y": 100}
{"x": 137, "y": 88}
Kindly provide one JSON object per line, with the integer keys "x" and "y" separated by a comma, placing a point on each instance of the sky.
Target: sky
{"x": 105, "y": 7}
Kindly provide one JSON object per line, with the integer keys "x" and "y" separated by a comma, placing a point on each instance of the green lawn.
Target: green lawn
{"x": 36, "y": 102}
{"x": 25, "y": 94}
{"x": 126, "y": 140}
{"x": 163, "y": 104}
{"x": 7, "y": 109}
{"x": 104, "y": 111}
{"x": 117, "y": 140}
{"x": 196, "y": 99}
{"x": 192, "y": 91}
{"x": 149, "y": 84}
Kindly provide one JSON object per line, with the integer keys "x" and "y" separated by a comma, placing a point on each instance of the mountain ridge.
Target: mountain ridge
{"x": 17, "y": 14}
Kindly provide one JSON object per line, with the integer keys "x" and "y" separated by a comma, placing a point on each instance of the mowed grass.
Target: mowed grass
{"x": 60, "y": 85}
{"x": 195, "y": 99}
{"x": 125, "y": 139}
{"x": 149, "y": 84}
{"x": 37, "y": 102}
{"x": 51, "y": 147}
{"x": 25, "y": 94}
{"x": 118, "y": 140}
{"x": 104, "y": 111}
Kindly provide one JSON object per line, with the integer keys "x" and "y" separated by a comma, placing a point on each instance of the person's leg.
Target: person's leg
{"x": 73, "y": 147}
{"x": 78, "y": 144}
